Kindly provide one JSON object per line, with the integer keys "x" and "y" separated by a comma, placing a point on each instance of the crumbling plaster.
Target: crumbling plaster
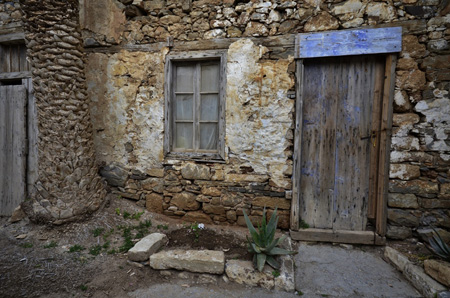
{"x": 128, "y": 109}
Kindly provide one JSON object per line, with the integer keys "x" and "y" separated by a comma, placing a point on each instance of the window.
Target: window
{"x": 195, "y": 105}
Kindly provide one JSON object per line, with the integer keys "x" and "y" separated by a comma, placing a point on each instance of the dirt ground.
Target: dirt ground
{"x": 35, "y": 260}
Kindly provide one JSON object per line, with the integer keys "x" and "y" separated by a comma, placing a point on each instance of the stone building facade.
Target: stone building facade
{"x": 127, "y": 47}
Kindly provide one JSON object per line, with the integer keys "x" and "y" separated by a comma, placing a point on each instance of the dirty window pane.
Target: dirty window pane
{"x": 209, "y": 107}
{"x": 210, "y": 78}
{"x": 184, "y": 107}
{"x": 185, "y": 79}
{"x": 208, "y": 136}
{"x": 184, "y": 135}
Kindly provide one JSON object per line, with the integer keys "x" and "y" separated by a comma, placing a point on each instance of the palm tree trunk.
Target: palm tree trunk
{"x": 68, "y": 185}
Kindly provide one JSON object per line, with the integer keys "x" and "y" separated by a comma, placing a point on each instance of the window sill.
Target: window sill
{"x": 199, "y": 157}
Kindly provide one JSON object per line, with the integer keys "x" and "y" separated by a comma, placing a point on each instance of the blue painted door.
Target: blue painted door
{"x": 339, "y": 97}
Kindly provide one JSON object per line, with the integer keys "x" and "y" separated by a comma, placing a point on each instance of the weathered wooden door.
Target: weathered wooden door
{"x": 13, "y": 145}
{"x": 341, "y": 98}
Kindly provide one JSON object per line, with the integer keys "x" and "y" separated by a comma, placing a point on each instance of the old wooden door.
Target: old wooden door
{"x": 13, "y": 145}
{"x": 339, "y": 96}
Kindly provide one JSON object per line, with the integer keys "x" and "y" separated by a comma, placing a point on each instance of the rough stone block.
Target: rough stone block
{"x": 399, "y": 260}
{"x": 439, "y": 270}
{"x": 394, "y": 232}
{"x": 404, "y": 171}
{"x": 403, "y": 218}
{"x": 424, "y": 283}
{"x": 243, "y": 272}
{"x": 413, "y": 186}
{"x": 397, "y": 200}
{"x": 434, "y": 203}
{"x": 271, "y": 202}
{"x": 114, "y": 175}
{"x": 196, "y": 172}
{"x": 154, "y": 202}
{"x": 185, "y": 201}
{"x": 147, "y": 246}
{"x": 202, "y": 261}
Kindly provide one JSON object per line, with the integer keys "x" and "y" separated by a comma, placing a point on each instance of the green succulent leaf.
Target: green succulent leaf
{"x": 272, "y": 262}
{"x": 272, "y": 226}
{"x": 276, "y": 242}
{"x": 280, "y": 251}
{"x": 260, "y": 260}
{"x": 255, "y": 248}
{"x": 251, "y": 228}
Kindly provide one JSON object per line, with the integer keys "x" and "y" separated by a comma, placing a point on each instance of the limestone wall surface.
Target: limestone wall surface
{"x": 125, "y": 77}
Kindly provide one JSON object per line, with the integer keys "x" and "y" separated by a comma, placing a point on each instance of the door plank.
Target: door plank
{"x": 318, "y": 138}
{"x": 352, "y": 152}
{"x": 374, "y": 150}
{"x": 12, "y": 147}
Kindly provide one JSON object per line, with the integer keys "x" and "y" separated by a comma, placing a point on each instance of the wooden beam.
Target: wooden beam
{"x": 18, "y": 37}
{"x": 284, "y": 41}
{"x": 15, "y": 75}
{"x": 385, "y": 144}
{"x": 337, "y": 236}
{"x": 295, "y": 205}
{"x": 349, "y": 42}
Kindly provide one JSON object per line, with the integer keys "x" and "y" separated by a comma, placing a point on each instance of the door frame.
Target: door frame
{"x": 13, "y": 35}
{"x": 379, "y": 164}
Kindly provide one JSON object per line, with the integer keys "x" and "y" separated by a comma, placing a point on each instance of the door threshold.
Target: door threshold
{"x": 338, "y": 236}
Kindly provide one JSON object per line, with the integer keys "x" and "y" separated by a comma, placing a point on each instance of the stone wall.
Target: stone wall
{"x": 126, "y": 84}
{"x": 68, "y": 185}
{"x": 9, "y": 12}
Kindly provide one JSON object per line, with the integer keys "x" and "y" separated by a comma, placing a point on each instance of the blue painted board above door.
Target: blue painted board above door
{"x": 348, "y": 42}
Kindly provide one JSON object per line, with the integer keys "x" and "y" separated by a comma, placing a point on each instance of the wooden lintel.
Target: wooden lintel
{"x": 15, "y": 75}
{"x": 18, "y": 37}
{"x": 285, "y": 41}
{"x": 338, "y": 236}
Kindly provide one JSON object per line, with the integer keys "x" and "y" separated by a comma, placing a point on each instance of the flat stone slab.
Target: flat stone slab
{"x": 202, "y": 261}
{"x": 147, "y": 246}
{"x": 327, "y": 270}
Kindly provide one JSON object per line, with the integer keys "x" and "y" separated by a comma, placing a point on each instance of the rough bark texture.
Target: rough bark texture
{"x": 68, "y": 184}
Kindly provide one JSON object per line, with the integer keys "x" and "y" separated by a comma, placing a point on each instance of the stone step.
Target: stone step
{"x": 201, "y": 261}
{"x": 147, "y": 246}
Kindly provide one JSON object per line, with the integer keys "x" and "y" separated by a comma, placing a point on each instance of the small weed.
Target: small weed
{"x": 95, "y": 250}
{"x": 120, "y": 267}
{"x": 126, "y": 215}
{"x": 83, "y": 288}
{"x": 127, "y": 242}
{"x": 196, "y": 227}
{"x": 303, "y": 225}
{"x": 51, "y": 244}
{"x": 276, "y": 273}
{"x": 98, "y": 231}
{"x": 108, "y": 234}
{"x": 324, "y": 295}
{"x": 26, "y": 245}
{"x": 299, "y": 293}
{"x": 106, "y": 245}
{"x": 111, "y": 252}
{"x": 117, "y": 211}
{"x": 76, "y": 248}
{"x": 137, "y": 216}
{"x": 163, "y": 227}
{"x": 38, "y": 266}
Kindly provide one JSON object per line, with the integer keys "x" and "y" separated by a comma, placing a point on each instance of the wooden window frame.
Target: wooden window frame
{"x": 203, "y": 56}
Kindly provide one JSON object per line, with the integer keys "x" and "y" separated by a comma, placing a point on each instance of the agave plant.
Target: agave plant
{"x": 262, "y": 243}
{"x": 439, "y": 247}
